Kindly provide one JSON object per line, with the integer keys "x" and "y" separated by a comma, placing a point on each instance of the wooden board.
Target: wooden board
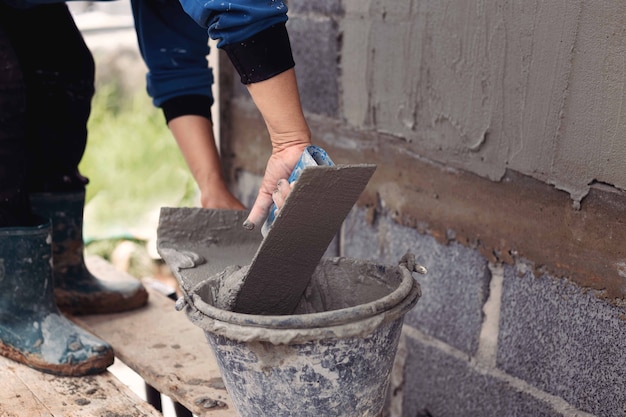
{"x": 164, "y": 347}
{"x": 27, "y": 392}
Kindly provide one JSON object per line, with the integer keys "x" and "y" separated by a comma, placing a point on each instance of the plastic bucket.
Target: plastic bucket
{"x": 333, "y": 357}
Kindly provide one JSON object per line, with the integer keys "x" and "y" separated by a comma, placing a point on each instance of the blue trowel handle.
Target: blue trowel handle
{"x": 312, "y": 156}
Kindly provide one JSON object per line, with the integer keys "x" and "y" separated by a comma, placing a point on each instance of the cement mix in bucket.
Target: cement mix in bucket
{"x": 332, "y": 357}
{"x": 327, "y": 350}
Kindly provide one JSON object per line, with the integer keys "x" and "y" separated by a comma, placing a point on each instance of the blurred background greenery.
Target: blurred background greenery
{"x": 134, "y": 168}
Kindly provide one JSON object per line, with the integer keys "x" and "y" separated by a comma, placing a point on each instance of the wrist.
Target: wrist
{"x": 290, "y": 140}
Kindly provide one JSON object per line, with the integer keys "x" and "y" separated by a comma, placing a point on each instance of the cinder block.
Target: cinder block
{"x": 453, "y": 291}
{"x": 315, "y": 45}
{"x": 437, "y": 383}
{"x": 563, "y": 340}
{"x": 328, "y": 7}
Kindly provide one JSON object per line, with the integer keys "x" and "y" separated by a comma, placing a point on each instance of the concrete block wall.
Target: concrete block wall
{"x": 523, "y": 310}
{"x": 494, "y": 340}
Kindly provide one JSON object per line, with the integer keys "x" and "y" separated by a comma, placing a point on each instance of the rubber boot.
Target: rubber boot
{"x": 32, "y": 329}
{"x": 76, "y": 290}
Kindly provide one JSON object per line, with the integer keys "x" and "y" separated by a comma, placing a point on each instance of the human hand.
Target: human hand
{"x": 283, "y": 188}
{"x": 220, "y": 198}
{"x": 278, "y": 100}
{"x": 274, "y": 186}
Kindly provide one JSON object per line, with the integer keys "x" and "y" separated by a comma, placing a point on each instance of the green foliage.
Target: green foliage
{"x": 134, "y": 167}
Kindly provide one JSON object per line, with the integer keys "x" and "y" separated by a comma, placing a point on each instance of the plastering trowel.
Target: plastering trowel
{"x": 311, "y": 156}
{"x": 257, "y": 275}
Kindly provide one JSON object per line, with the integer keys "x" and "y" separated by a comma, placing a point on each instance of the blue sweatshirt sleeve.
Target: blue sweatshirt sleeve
{"x": 251, "y": 32}
{"x": 174, "y": 49}
{"x": 236, "y": 20}
{"x": 26, "y": 4}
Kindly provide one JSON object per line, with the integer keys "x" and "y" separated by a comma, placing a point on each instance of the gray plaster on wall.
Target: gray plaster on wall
{"x": 537, "y": 87}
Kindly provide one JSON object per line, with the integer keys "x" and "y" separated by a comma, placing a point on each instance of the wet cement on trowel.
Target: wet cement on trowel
{"x": 199, "y": 243}
{"x": 313, "y": 212}
{"x": 211, "y": 245}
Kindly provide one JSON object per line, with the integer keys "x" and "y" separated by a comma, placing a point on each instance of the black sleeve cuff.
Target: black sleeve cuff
{"x": 264, "y": 55}
{"x": 187, "y": 105}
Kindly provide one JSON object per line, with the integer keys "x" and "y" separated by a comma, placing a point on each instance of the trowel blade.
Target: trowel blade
{"x": 197, "y": 243}
{"x": 311, "y": 216}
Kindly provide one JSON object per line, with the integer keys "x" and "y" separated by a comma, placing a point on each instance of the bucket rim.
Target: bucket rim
{"x": 319, "y": 319}
{"x": 360, "y": 328}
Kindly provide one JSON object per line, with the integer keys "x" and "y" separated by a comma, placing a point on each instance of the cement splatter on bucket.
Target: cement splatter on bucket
{"x": 332, "y": 357}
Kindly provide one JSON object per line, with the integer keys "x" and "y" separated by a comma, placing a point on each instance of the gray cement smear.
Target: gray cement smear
{"x": 201, "y": 244}
{"x": 491, "y": 87}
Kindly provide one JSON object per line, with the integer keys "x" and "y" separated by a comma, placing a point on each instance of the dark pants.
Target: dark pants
{"x": 46, "y": 87}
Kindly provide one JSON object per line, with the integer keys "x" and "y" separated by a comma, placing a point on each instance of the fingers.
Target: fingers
{"x": 279, "y": 166}
{"x": 261, "y": 208}
{"x": 259, "y": 211}
{"x": 280, "y": 194}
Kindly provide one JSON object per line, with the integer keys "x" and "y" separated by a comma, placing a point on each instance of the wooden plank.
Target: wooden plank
{"x": 27, "y": 392}
{"x": 164, "y": 347}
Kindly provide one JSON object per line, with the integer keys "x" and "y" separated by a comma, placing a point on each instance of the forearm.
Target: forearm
{"x": 195, "y": 139}
{"x": 278, "y": 101}
{"x": 266, "y": 66}
{"x": 255, "y": 38}
{"x": 194, "y": 136}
